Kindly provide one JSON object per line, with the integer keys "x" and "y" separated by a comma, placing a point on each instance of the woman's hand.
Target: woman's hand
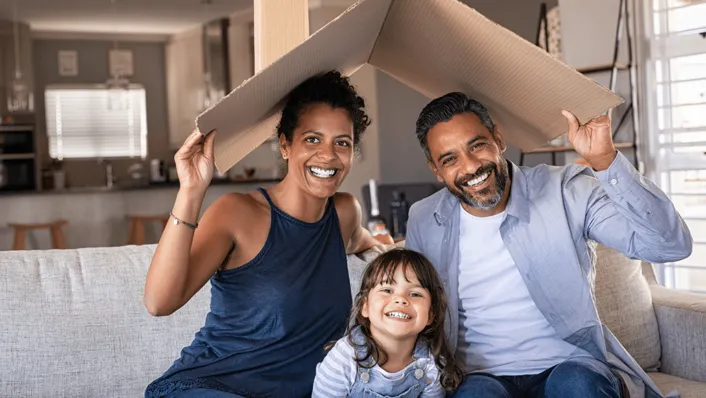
{"x": 194, "y": 162}
{"x": 385, "y": 239}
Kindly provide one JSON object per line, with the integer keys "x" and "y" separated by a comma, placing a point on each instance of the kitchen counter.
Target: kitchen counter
{"x": 97, "y": 216}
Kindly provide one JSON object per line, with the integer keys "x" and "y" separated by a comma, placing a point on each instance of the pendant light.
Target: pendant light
{"x": 19, "y": 94}
{"x": 118, "y": 85}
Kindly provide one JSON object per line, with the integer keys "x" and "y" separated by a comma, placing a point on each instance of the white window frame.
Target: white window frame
{"x": 131, "y": 99}
{"x": 649, "y": 49}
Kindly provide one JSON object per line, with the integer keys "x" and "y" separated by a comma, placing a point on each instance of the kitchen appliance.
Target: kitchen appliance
{"x": 158, "y": 172}
{"x": 399, "y": 211}
{"x": 16, "y": 174}
{"x": 17, "y": 159}
{"x": 16, "y": 140}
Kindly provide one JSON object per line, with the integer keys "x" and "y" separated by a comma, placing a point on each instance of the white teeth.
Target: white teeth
{"x": 478, "y": 180}
{"x": 396, "y": 314}
{"x": 322, "y": 173}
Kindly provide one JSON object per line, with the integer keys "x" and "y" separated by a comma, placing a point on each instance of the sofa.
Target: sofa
{"x": 73, "y": 322}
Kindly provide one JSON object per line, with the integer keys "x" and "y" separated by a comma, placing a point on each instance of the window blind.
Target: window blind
{"x": 96, "y": 122}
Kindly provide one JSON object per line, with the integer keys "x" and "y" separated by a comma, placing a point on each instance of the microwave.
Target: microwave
{"x": 16, "y": 140}
{"x": 17, "y": 163}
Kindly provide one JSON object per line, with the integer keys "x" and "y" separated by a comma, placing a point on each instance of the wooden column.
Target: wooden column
{"x": 280, "y": 25}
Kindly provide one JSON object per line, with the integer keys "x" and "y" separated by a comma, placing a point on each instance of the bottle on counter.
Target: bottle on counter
{"x": 376, "y": 223}
{"x": 399, "y": 211}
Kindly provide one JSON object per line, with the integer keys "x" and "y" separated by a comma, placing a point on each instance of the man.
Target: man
{"x": 512, "y": 245}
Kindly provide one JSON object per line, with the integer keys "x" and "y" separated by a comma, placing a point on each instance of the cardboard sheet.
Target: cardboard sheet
{"x": 432, "y": 46}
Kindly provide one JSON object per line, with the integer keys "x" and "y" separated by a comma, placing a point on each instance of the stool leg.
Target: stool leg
{"x": 139, "y": 233}
{"x": 20, "y": 239}
{"x": 131, "y": 236}
{"x": 58, "y": 241}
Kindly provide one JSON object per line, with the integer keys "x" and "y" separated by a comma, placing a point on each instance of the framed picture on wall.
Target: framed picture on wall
{"x": 68, "y": 63}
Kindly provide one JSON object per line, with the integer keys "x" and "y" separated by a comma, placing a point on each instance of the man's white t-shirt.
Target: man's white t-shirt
{"x": 501, "y": 331}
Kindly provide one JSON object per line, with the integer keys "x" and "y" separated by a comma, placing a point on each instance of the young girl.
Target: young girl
{"x": 395, "y": 345}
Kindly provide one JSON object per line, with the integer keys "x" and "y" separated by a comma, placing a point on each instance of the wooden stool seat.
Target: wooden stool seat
{"x": 137, "y": 226}
{"x": 58, "y": 241}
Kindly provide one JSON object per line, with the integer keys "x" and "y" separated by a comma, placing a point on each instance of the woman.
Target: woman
{"x": 276, "y": 258}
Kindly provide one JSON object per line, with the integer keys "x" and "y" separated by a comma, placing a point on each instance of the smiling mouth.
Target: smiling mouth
{"x": 398, "y": 315}
{"x": 321, "y": 172}
{"x": 478, "y": 180}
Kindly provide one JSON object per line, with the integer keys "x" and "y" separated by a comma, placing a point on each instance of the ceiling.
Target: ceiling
{"x": 127, "y": 16}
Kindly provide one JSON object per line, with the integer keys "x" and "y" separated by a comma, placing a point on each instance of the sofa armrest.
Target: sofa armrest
{"x": 681, "y": 318}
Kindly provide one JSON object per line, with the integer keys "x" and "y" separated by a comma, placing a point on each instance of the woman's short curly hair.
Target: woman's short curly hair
{"x": 332, "y": 89}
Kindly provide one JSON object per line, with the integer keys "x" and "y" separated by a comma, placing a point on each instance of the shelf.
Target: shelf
{"x": 16, "y": 156}
{"x": 16, "y": 127}
{"x": 603, "y": 68}
{"x": 554, "y": 149}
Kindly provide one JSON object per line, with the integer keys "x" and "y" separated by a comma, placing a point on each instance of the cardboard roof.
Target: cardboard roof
{"x": 432, "y": 46}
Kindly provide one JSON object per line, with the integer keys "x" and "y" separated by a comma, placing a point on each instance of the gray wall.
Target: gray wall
{"x": 402, "y": 160}
{"x": 149, "y": 70}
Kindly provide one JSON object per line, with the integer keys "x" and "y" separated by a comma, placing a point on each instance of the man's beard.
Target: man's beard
{"x": 488, "y": 197}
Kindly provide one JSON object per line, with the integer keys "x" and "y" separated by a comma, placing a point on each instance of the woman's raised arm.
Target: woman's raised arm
{"x": 188, "y": 254}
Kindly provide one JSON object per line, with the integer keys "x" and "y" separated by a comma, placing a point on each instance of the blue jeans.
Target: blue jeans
{"x": 203, "y": 393}
{"x": 580, "y": 377}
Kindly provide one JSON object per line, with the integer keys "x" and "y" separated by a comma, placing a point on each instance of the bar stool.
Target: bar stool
{"x": 58, "y": 241}
{"x": 137, "y": 226}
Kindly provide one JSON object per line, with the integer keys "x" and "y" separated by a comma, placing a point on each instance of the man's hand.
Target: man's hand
{"x": 593, "y": 141}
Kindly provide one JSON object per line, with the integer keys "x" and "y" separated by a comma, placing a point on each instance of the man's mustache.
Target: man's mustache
{"x": 462, "y": 180}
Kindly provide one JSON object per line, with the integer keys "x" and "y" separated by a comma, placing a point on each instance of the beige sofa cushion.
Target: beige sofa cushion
{"x": 624, "y": 304}
{"x": 74, "y": 325}
{"x": 686, "y": 388}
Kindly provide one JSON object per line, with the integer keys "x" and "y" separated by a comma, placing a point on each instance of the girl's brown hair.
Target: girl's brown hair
{"x": 382, "y": 270}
